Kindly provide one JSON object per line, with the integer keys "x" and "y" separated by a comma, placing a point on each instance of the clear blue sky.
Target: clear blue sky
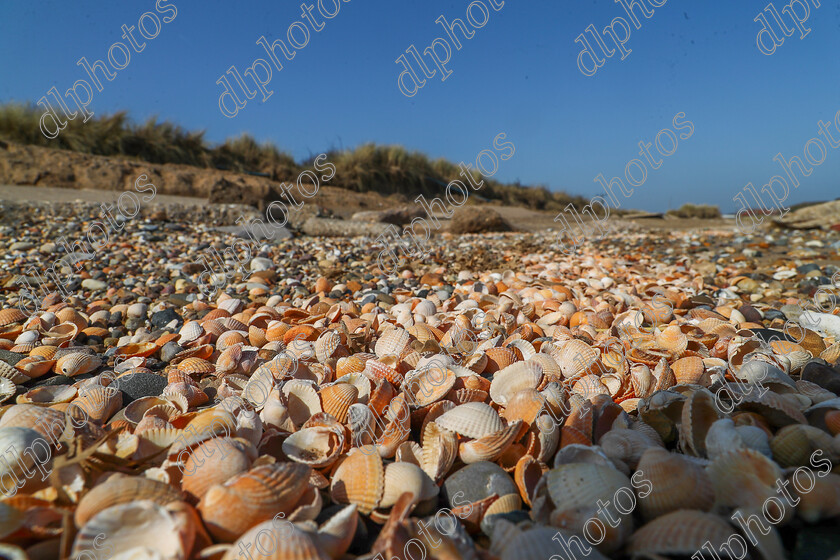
{"x": 517, "y": 75}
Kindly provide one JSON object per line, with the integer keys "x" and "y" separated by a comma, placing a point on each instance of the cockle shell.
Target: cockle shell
{"x": 822, "y": 501}
{"x": 392, "y": 342}
{"x": 745, "y": 479}
{"x": 691, "y": 370}
{"x": 440, "y": 449}
{"x": 627, "y": 446}
{"x": 359, "y": 479}
{"x": 428, "y": 385}
{"x": 317, "y": 446}
{"x": 576, "y": 489}
{"x": 793, "y": 445}
{"x": 303, "y": 401}
{"x": 49, "y": 422}
{"x": 473, "y": 420}
{"x": 326, "y": 345}
{"x": 514, "y": 378}
{"x": 17, "y": 463}
{"x": 406, "y": 477}
{"x": 337, "y": 398}
{"x": 680, "y": 533}
{"x": 215, "y": 461}
{"x": 120, "y": 489}
{"x": 491, "y": 446}
{"x": 140, "y": 529}
{"x": 698, "y": 414}
{"x": 99, "y": 403}
{"x": 249, "y": 498}
{"x": 281, "y": 540}
{"x": 35, "y": 366}
{"x": 77, "y": 363}
{"x": 675, "y": 483}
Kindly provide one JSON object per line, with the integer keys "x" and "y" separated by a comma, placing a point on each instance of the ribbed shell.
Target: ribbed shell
{"x": 77, "y": 363}
{"x": 230, "y": 509}
{"x": 515, "y": 378}
{"x": 337, "y": 398}
{"x": 677, "y": 483}
{"x": 360, "y": 479}
{"x": 405, "y": 477}
{"x": 120, "y": 489}
{"x": 681, "y": 532}
{"x": 471, "y": 419}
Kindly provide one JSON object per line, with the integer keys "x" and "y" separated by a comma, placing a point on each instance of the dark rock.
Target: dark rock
{"x": 169, "y": 351}
{"x": 141, "y": 384}
{"x": 134, "y": 323}
{"x": 772, "y": 314}
{"x": 769, "y": 335}
{"x": 471, "y": 219}
{"x": 476, "y": 482}
{"x": 55, "y": 380}
{"x": 806, "y": 268}
{"x": 163, "y": 318}
{"x": 750, "y": 314}
{"x": 820, "y": 372}
{"x": 11, "y": 358}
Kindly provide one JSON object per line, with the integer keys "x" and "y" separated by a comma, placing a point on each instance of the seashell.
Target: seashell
{"x": 490, "y": 447}
{"x": 440, "y": 449}
{"x": 576, "y": 489}
{"x": 49, "y": 395}
{"x": 60, "y": 334}
{"x": 473, "y": 420}
{"x": 524, "y": 405}
{"x": 588, "y": 386}
{"x": 205, "y": 425}
{"x": 831, "y": 354}
{"x": 691, "y": 370}
{"x": 349, "y": 365}
{"x": 675, "y": 483}
{"x": 771, "y": 406}
{"x": 215, "y": 461}
{"x": 575, "y": 358}
{"x": 17, "y": 465}
{"x": 337, "y": 398}
{"x": 299, "y": 332}
{"x": 141, "y": 529}
{"x": 317, "y": 446}
{"x": 627, "y": 445}
{"x": 376, "y": 370}
{"x": 680, "y": 533}
{"x": 77, "y": 363}
{"x": 99, "y": 403}
{"x": 515, "y": 378}
{"x": 11, "y": 316}
{"x": 47, "y": 352}
{"x": 229, "y": 360}
{"x": 429, "y": 385}
{"x": 142, "y": 350}
{"x": 287, "y": 542}
{"x": 672, "y": 340}
{"x": 745, "y": 479}
{"x": 198, "y": 366}
{"x": 249, "y": 498}
{"x": 721, "y": 438}
{"x": 302, "y": 401}
{"x": 14, "y": 375}
{"x": 793, "y": 445}
{"x": 406, "y": 477}
{"x": 7, "y": 389}
{"x": 392, "y": 342}
{"x": 823, "y": 499}
{"x": 764, "y": 373}
{"x": 698, "y": 414}
{"x": 48, "y": 422}
{"x": 359, "y": 479}
{"x": 35, "y": 366}
{"x": 326, "y": 345}
{"x": 498, "y": 359}
{"x": 121, "y": 489}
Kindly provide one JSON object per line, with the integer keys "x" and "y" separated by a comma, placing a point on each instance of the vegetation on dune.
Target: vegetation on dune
{"x": 700, "y": 211}
{"x": 369, "y": 167}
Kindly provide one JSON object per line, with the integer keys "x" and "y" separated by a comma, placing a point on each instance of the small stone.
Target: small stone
{"x": 140, "y": 384}
{"x": 169, "y": 351}
{"x": 91, "y": 284}
{"x": 137, "y": 310}
{"x": 163, "y": 318}
{"x": 11, "y": 358}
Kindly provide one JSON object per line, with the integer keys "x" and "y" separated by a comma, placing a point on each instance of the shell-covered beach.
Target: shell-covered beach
{"x": 657, "y": 394}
